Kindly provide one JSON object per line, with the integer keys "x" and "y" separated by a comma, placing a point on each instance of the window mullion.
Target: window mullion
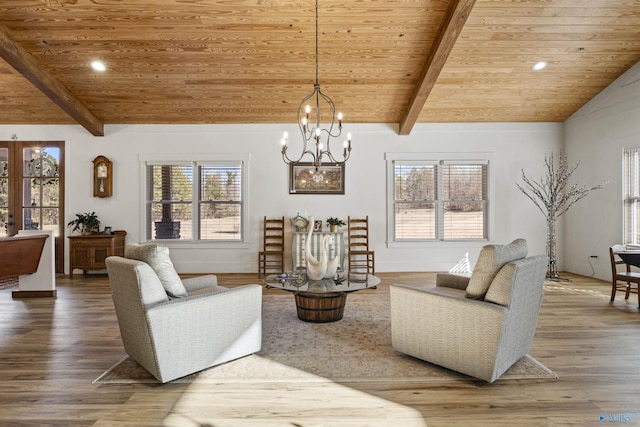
{"x": 631, "y": 191}
{"x": 439, "y": 202}
{"x": 195, "y": 197}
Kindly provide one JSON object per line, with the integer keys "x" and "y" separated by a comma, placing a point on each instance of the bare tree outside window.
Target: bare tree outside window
{"x": 553, "y": 196}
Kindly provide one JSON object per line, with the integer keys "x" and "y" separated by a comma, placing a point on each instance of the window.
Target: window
{"x": 414, "y": 200}
{"x": 195, "y": 200}
{"x": 631, "y": 184}
{"x": 438, "y": 199}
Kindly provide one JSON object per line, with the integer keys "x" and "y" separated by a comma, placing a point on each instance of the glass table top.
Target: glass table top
{"x": 342, "y": 282}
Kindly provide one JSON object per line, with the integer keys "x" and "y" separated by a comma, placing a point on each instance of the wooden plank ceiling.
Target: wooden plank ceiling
{"x": 252, "y": 61}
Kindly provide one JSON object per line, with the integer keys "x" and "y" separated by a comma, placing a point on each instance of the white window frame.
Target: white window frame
{"x": 196, "y": 160}
{"x": 439, "y": 159}
{"x": 630, "y": 195}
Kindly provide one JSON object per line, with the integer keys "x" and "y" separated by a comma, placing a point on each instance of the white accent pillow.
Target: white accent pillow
{"x": 158, "y": 259}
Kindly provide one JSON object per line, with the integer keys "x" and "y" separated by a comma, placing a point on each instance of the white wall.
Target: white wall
{"x": 596, "y": 136}
{"x": 513, "y": 146}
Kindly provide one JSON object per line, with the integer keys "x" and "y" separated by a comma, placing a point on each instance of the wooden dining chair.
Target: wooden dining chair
{"x": 361, "y": 258}
{"x": 271, "y": 257}
{"x": 627, "y": 276}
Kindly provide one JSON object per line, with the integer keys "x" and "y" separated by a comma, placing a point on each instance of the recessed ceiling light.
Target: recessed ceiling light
{"x": 539, "y": 66}
{"x": 98, "y": 66}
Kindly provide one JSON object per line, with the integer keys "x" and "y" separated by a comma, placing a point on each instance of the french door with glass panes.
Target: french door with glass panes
{"x": 32, "y": 190}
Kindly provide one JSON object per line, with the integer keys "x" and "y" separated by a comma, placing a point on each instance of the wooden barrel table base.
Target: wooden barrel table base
{"x": 321, "y": 301}
{"x": 320, "y": 307}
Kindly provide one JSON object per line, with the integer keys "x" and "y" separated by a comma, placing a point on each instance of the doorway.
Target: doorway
{"x": 32, "y": 190}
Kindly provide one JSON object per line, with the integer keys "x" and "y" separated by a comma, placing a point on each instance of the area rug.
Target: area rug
{"x": 354, "y": 349}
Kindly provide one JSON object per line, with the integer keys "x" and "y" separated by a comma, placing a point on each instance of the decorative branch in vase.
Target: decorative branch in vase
{"x": 553, "y": 196}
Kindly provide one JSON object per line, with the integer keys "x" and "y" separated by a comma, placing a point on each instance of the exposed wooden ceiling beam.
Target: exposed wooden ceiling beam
{"x": 452, "y": 24}
{"x": 27, "y": 65}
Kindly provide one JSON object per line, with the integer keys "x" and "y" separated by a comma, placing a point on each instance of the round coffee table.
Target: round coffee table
{"x": 321, "y": 301}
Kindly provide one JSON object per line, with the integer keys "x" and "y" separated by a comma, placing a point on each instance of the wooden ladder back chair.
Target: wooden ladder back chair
{"x": 627, "y": 276}
{"x": 361, "y": 258}
{"x": 271, "y": 257}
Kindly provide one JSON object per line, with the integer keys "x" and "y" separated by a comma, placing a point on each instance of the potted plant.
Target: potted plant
{"x": 334, "y": 223}
{"x": 85, "y": 223}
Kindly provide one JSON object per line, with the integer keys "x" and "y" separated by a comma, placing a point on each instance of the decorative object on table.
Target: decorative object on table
{"x": 85, "y": 223}
{"x": 299, "y": 222}
{"x": 305, "y": 178}
{"x": 102, "y": 177}
{"x": 321, "y": 267}
{"x": 335, "y": 223}
{"x": 107, "y": 231}
{"x": 317, "y": 226}
{"x": 288, "y": 276}
{"x": 554, "y": 197}
{"x": 314, "y": 131}
{"x": 293, "y": 279}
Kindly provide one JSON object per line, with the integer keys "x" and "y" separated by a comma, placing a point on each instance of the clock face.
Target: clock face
{"x": 300, "y": 223}
{"x": 102, "y": 170}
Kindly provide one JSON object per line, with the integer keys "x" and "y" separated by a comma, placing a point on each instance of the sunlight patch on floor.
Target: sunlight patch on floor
{"x": 314, "y": 403}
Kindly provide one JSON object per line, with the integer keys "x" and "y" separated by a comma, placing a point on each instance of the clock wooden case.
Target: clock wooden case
{"x": 102, "y": 177}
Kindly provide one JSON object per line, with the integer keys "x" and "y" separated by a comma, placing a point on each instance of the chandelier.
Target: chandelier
{"x": 309, "y": 121}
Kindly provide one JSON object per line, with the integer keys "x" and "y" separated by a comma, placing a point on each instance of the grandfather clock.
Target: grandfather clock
{"x": 102, "y": 177}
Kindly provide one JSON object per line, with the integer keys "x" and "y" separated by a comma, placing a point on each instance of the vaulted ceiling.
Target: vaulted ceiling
{"x": 252, "y": 61}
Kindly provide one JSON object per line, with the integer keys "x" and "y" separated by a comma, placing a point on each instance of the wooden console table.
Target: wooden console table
{"x": 88, "y": 252}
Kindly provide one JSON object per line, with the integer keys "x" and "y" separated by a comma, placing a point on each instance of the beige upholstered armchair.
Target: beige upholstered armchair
{"x": 174, "y": 327}
{"x": 478, "y": 325}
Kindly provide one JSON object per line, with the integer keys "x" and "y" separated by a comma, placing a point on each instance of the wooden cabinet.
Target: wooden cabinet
{"x": 89, "y": 252}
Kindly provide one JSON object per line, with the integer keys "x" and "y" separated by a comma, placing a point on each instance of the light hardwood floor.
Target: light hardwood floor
{"x": 52, "y": 349}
